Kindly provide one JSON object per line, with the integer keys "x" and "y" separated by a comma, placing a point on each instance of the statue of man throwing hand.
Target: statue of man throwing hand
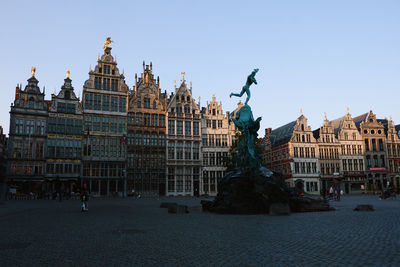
{"x": 246, "y": 88}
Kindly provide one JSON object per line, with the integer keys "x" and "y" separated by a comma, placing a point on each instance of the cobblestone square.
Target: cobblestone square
{"x": 136, "y": 232}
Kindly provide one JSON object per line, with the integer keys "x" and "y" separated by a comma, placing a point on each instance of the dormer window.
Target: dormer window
{"x": 188, "y": 99}
{"x": 183, "y": 98}
{"x": 67, "y": 95}
{"x": 302, "y": 127}
{"x": 100, "y": 70}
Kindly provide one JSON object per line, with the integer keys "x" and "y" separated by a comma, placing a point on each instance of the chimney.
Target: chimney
{"x": 17, "y": 91}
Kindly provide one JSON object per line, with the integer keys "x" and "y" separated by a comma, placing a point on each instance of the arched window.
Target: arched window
{"x": 188, "y": 99}
{"x": 302, "y": 127}
{"x": 154, "y": 104}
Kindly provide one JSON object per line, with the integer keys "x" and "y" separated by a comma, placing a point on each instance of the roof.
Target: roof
{"x": 337, "y": 124}
{"x": 282, "y": 134}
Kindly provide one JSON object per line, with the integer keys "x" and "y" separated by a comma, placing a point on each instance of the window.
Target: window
{"x": 146, "y": 120}
{"x": 114, "y": 103}
{"x": 188, "y": 128}
{"x": 219, "y": 123}
{"x": 179, "y": 150}
{"x": 161, "y": 120}
{"x": 154, "y": 104}
{"x": 214, "y": 124}
{"x": 106, "y": 69}
{"x": 196, "y": 128}
{"x": 188, "y": 150}
{"x": 376, "y": 161}
{"x": 196, "y": 151}
{"x": 114, "y": 85}
{"x": 344, "y": 161}
{"x": 122, "y": 104}
{"x": 373, "y": 144}
{"x": 179, "y": 127}
{"x": 139, "y": 104}
{"x": 61, "y": 107}
{"x": 171, "y": 127}
{"x": 153, "y": 119}
{"x": 380, "y": 145}
{"x": 97, "y": 83}
{"x": 212, "y": 158}
{"x": 368, "y": 161}
{"x": 106, "y": 103}
{"x": 366, "y": 145}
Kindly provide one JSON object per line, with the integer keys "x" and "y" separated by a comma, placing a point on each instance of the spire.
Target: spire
{"x": 98, "y": 56}
{"x": 183, "y": 77}
{"x": 68, "y": 72}
{"x": 143, "y": 66}
{"x": 347, "y": 110}
{"x": 325, "y": 116}
{"x": 151, "y": 66}
{"x": 90, "y": 67}
{"x": 301, "y": 111}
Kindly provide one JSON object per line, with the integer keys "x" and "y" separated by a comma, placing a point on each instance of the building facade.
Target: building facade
{"x": 373, "y": 135}
{"x": 352, "y": 157}
{"x": 105, "y": 100}
{"x": 304, "y": 158}
{"x": 183, "y": 143}
{"x": 64, "y": 140}
{"x": 393, "y": 154}
{"x": 329, "y": 154}
{"x": 147, "y": 135}
{"x": 217, "y": 134}
{"x": 293, "y": 151}
{"x": 27, "y": 137}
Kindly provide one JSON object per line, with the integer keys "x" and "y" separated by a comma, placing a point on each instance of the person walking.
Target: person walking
{"x": 338, "y": 194}
{"x": 84, "y": 198}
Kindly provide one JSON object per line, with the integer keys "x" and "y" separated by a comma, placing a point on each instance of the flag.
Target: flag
{"x": 124, "y": 138}
{"x": 87, "y": 133}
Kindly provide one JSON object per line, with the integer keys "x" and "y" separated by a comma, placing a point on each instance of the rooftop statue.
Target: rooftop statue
{"x": 246, "y": 88}
{"x": 107, "y": 42}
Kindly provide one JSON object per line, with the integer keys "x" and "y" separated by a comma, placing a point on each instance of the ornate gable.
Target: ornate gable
{"x": 182, "y": 101}
{"x": 146, "y": 91}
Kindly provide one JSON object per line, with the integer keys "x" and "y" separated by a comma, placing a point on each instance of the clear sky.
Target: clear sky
{"x": 321, "y": 56}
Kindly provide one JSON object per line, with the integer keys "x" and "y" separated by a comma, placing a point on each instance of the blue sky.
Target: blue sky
{"x": 321, "y": 56}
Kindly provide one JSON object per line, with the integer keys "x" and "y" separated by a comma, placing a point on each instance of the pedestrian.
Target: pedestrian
{"x": 338, "y": 194}
{"x": 84, "y": 198}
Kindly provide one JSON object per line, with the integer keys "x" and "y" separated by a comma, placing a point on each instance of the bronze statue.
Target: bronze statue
{"x": 246, "y": 88}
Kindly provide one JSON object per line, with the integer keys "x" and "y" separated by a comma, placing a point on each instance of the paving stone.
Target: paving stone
{"x": 136, "y": 232}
